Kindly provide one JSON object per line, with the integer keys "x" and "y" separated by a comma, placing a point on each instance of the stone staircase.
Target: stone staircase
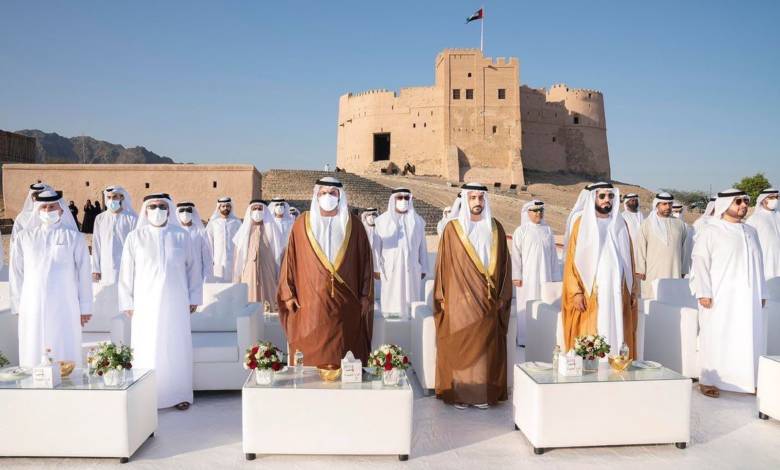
{"x": 296, "y": 187}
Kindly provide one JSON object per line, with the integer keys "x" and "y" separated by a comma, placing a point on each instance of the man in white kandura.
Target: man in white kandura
{"x": 368, "y": 217}
{"x": 110, "y": 231}
{"x": 678, "y": 212}
{"x": 190, "y": 220}
{"x": 534, "y": 260}
{"x": 159, "y": 287}
{"x": 728, "y": 280}
{"x": 223, "y": 226}
{"x": 445, "y": 218}
{"x": 402, "y": 255}
{"x": 50, "y": 283}
{"x": 766, "y": 221}
{"x": 661, "y": 244}
{"x": 633, "y": 217}
{"x": 283, "y": 218}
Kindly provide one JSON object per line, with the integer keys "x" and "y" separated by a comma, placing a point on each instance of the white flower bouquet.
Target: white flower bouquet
{"x": 591, "y": 347}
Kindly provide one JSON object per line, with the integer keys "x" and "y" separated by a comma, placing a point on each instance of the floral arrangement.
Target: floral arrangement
{"x": 591, "y": 347}
{"x": 263, "y": 355}
{"x": 388, "y": 357}
{"x": 3, "y": 360}
{"x": 109, "y": 356}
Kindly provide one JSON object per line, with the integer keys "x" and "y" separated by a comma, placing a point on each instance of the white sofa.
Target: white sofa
{"x": 222, "y": 329}
{"x": 423, "y": 342}
{"x": 9, "y": 326}
{"x": 773, "y": 316}
{"x": 107, "y": 323}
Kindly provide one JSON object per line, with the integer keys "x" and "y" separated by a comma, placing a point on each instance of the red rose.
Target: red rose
{"x": 254, "y": 349}
{"x": 128, "y": 366}
{"x": 276, "y": 366}
{"x": 252, "y": 364}
{"x": 378, "y": 362}
{"x": 590, "y": 344}
{"x": 100, "y": 372}
{"x": 388, "y": 366}
{"x": 601, "y": 354}
{"x": 406, "y": 360}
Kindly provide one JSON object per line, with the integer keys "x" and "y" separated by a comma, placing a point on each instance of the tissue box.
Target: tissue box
{"x": 351, "y": 369}
{"x": 570, "y": 365}
{"x": 46, "y": 376}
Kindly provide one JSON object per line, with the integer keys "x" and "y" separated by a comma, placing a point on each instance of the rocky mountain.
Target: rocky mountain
{"x": 54, "y": 148}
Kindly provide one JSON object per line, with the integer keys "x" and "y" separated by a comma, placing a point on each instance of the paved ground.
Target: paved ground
{"x": 726, "y": 435}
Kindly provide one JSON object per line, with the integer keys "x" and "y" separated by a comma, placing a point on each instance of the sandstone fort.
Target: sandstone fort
{"x": 475, "y": 123}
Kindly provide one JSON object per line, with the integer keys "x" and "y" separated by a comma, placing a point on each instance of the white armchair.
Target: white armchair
{"x": 107, "y": 322}
{"x": 222, "y": 328}
{"x": 423, "y": 342}
{"x": 671, "y": 322}
{"x": 543, "y": 324}
{"x": 9, "y": 326}
{"x": 772, "y": 311}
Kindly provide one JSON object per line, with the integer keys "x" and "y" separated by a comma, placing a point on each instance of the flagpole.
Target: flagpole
{"x": 482, "y": 31}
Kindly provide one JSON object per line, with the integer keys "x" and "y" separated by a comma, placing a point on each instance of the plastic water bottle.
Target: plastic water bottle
{"x": 556, "y": 355}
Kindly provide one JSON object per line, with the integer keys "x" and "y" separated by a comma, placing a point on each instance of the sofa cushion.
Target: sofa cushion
{"x": 215, "y": 347}
{"x": 105, "y": 305}
{"x": 221, "y": 304}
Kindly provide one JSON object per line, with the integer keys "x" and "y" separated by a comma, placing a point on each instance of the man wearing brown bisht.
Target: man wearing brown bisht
{"x": 326, "y": 297}
{"x": 472, "y": 298}
{"x": 257, "y": 248}
{"x": 599, "y": 293}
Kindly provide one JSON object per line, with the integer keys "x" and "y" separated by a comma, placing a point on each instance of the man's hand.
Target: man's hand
{"x": 85, "y": 318}
{"x": 517, "y": 283}
{"x": 376, "y": 276}
{"x": 129, "y": 313}
{"x": 292, "y": 305}
{"x": 580, "y": 303}
{"x": 193, "y": 308}
{"x": 633, "y": 301}
{"x": 641, "y": 276}
{"x": 763, "y": 303}
{"x": 422, "y": 275}
{"x": 705, "y": 302}
{"x": 95, "y": 277}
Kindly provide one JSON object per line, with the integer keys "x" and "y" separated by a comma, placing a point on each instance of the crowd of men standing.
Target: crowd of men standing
{"x": 318, "y": 270}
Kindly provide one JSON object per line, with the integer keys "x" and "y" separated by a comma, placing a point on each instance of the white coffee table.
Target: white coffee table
{"x": 651, "y": 406}
{"x": 79, "y": 418}
{"x": 768, "y": 387}
{"x": 304, "y": 415}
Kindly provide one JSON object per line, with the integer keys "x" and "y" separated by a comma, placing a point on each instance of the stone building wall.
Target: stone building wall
{"x": 201, "y": 184}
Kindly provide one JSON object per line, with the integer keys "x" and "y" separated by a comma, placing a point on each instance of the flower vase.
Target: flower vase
{"x": 590, "y": 365}
{"x": 391, "y": 378}
{"x": 264, "y": 376}
{"x": 113, "y": 377}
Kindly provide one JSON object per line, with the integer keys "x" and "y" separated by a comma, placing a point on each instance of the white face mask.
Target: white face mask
{"x": 676, "y": 215}
{"x": 113, "y": 205}
{"x": 328, "y": 202}
{"x": 402, "y": 205}
{"x": 772, "y": 204}
{"x": 279, "y": 210}
{"x": 256, "y": 215}
{"x": 157, "y": 217}
{"x": 50, "y": 217}
{"x": 370, "y": 220}
{"x": 185, "y": 217}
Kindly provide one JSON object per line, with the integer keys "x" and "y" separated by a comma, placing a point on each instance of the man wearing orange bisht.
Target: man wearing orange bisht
{"x": 472, "y": 298}
{"x": 326, "y": 283}
{"x": 599, "y": 293}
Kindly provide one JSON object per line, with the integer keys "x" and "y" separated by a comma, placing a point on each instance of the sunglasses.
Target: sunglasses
{"x": 535, "y": 210}
{"x": 741, "y": 200}
{"x": 607, "y": 195}
{"x": 158, "y": 206}
{"x": 403, "y": 198}
{"x": 186, "y": 209}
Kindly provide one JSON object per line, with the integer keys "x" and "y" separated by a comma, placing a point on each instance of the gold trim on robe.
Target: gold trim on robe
{"x": 464, "y": 239}
{"x": 332, "y": 267}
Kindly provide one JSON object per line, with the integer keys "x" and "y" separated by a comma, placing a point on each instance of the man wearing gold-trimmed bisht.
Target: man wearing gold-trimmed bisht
{"x": 599, "y": 293}
{"x": 326, "y": 298}
{"x": 472, "y": 298}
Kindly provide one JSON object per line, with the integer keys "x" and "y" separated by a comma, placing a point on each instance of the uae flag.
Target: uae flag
{"x": 474, "y": 17}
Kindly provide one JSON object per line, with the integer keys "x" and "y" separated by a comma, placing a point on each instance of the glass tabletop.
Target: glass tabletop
{"x": 311, "y": 381}
{"x": 604, "y": 374}
{"x": 773, "y": 358}
{"x": 77, "y": 380}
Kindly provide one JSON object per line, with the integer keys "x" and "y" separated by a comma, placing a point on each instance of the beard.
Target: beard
{"x": 476, "y": 210}
{"x": 604, "y": 210}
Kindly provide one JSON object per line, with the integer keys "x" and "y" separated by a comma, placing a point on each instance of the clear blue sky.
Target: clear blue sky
{"x": 691, "y": 87}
